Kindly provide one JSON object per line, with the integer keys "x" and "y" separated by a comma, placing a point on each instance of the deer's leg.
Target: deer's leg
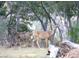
{"x": 33, "y": 40}
{"x": 37, "y": 42}
{"x": 46, "y": 43}
{"x": 32, "y": 43}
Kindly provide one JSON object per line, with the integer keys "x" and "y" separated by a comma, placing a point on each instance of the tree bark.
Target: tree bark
{"x": 17, "y": 19}
{"x": 11, "y": 29}
{"x": 39, "y": 19}
{"x": 47, "y": 15}
{"x": 77, "y": 20}
{"x": 45, "y": 24}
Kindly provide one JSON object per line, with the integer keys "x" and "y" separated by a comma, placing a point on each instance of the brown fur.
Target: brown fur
{"x": 38, "y": 35}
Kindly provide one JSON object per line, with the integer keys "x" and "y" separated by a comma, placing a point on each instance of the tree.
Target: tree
{"x": 38, "y": 10}
{"x": 2, "y": 9}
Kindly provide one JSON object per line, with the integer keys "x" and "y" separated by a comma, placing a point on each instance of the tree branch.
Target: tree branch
{"x": 38, "y": 18}
{"x": 48, "y": 14}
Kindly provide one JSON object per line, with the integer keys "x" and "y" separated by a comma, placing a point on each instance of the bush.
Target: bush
{"x": 74, "y": 33}
{"x": 22, "y": 28}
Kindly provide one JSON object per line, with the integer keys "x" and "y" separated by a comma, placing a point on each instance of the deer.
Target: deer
{"x": 39, "y": 35}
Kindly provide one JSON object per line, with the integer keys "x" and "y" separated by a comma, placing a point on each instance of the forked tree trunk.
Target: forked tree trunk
{"x": 47, "y": 15}
{"x": 39, "y": 19}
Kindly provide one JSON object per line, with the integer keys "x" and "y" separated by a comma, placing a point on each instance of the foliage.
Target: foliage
{"x": 3, "y": 26}
{"x": 24, "y": 8}
{"x": 2, "y": 9}
{"x": 22, "y": 28}
{"x": 74, "y": 33}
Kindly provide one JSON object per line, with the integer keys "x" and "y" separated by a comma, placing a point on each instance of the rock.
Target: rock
{"x": 74, "y": 53}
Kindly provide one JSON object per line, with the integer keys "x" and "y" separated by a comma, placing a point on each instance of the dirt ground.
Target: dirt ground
{"x": 18, "y": 52}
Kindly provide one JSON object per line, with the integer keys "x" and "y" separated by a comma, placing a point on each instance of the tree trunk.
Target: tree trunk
{"x": 39, "y": 19}
{"x": 47, "y": 15}
{"x": 45, "y": 24}
{"x": 77, "y": 20}
{"x": 17, "y": 19}
{"x": 11, "y": 29}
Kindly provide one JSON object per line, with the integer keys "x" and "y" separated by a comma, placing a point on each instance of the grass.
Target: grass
{"x": 18, "y": 52}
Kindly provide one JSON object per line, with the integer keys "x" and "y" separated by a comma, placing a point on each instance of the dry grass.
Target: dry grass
{"x": 23, "y": 52}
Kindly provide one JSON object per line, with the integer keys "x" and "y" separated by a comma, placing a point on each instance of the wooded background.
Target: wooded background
{"x": 21, "y": 16}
